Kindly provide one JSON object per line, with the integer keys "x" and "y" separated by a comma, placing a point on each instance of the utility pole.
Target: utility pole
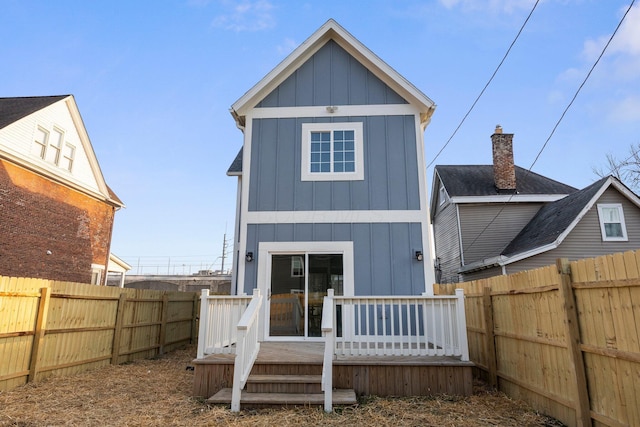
{"x": 224, "y": 251}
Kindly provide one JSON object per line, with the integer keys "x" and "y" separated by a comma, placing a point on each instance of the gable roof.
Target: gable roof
{"x": 16, "y": 108}
{"x": 236, "y": 167}
{"x": 553, "y": 223}
{"x": 552, "y": 220}
{"x": 331, "y": 30}
{"x": 478, "y": 180}
{"x": 13, "y": 109}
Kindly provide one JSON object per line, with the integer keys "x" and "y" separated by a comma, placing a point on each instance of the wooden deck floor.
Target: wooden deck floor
{"x": 371, "y": 375}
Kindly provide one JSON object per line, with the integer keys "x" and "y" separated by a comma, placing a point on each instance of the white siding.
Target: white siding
{"x": 18, "y": 138}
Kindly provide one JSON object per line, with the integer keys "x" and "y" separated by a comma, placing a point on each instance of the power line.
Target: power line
{"x": 485, "y": 86}
{"x": 582, "y": 84}
{"x": 558, "y": 122}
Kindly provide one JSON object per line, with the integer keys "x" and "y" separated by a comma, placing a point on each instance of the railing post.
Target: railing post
{"x": 328, "y": 327}
{"x": 204, "y": 323}
{"x": 462, "y": 326}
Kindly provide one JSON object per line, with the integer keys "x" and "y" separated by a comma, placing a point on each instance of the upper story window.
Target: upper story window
{"x": 332, "y": 152}
{"x": 612, "y": 223}
{"x": 50, "y": 145}
{"x": 442, "y": 195}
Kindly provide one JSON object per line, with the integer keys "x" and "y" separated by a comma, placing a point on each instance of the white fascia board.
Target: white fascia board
{"x": 331, "y": 30}
{"x": 340, "y": 111}
{"x": 310, "y": 217}
{"x": 117, "y": 264}
{"x": 508, "y": 198}
{"x": 633, "y": 197}
{"x": 482, "y": 264}
{"x": 88, "y": 148}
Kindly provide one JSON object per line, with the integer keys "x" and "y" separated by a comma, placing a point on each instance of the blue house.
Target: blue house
{"x": 331, "y": 180}
{"x": 332, "y": 242}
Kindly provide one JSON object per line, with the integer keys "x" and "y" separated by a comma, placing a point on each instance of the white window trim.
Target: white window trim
{"x": 305, "y": 165}
{"x": 267, "y": 249}
{"x": 442, "y": 195}
{"x": 624, "y": 237}
{"x": 97, "y": 271}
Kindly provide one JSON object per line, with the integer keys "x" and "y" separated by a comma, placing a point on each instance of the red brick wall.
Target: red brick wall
{"x": 38, "y": 215}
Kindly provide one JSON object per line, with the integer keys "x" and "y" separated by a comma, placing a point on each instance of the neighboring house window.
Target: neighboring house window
{"x": 52, "y": 147}
{"x": 297, "y": 266}
{"x": 332, "y": 152}
{"x": 55, "y": 145}
{"x": 443, "y": 195}
{"x": 67, "y": 157}
{"x": 40, "y": 142}
{"x": 612, "y": 223}
{"x": 97, "y": 271}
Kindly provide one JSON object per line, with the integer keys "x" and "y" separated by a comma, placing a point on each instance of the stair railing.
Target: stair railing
{"x": 327, "y": 364}
{"x": 247, "y": 348}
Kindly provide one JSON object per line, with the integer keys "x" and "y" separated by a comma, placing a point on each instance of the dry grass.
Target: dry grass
{"x": 157, "y": 393}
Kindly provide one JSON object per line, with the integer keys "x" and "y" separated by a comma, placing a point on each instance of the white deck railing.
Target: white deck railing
{"x": 401, "y": 326}
{"x": 391, "y": 326}
{"x": 219, "y": 317}
{"x": 248, "y": 347}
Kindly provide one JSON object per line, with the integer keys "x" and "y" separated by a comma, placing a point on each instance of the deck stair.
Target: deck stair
{"x": 285, "y": 380}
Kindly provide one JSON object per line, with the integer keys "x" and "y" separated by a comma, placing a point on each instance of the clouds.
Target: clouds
{"x": 504, "y": 6}
{"x": 621, "y": 66}
{"x": 245, "y": 16}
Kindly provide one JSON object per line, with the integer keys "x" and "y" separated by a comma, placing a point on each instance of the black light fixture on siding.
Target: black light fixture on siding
{"x": 249, "y": 256}
{"x": 419, "y": 255}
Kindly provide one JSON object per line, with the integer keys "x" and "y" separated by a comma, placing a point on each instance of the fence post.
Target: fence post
{"x": 490, "y": 339}
{"x": 194, "y": 319}
{"x": 117, "y": 331}
{"x": 204, "y": 322}
{"x": 572, "y": 332}
{"x": 163, "y": 322}
{"x": 41, "y": 321}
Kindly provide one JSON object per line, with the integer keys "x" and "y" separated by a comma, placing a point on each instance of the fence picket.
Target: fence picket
{"x": 73, "y": 327}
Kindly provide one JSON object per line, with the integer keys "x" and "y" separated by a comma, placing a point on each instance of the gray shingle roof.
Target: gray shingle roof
{"x": 477, "y": 180}
{"x": 552, "y": 220}
{"x": 13, "y": 109}
{"x": 236, "y": 166}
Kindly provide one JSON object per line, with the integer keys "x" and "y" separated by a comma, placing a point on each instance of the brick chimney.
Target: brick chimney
{"x": 504, "y": 171}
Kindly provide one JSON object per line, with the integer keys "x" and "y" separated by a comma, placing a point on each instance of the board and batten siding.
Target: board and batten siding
{"x": 390, "y": 168}
{"x": 476, "y": 220}
{"x": 384, "y": 254}
{"x": 447, "y": 242}
{"x": 18, "y": 138}
{"x": 585, "y": 240}
{"x": 331, "y": 77}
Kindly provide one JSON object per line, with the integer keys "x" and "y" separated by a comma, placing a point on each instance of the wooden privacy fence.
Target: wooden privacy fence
{"x": 58, "y": 328}
{"x": 564, "y": 338}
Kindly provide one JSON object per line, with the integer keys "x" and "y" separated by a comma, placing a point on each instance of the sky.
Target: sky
{"x": 154, "y": 81}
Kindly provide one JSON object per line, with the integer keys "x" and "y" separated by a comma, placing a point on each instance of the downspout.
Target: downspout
{"x": 237, "y": 234}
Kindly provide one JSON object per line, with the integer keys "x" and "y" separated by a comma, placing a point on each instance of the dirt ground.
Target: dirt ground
{"x": 158, "y": 393}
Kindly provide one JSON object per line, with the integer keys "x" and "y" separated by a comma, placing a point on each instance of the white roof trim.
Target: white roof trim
{"x": 116, "y": 264}
{"x": 511, "y": 198}
{"x": 331, "y": 30}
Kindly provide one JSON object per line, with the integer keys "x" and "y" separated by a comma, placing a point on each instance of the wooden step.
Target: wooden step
{"x": 262, "y": 383}
{"x": 340, "y": 397}
{"x": 289, "y": 379}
